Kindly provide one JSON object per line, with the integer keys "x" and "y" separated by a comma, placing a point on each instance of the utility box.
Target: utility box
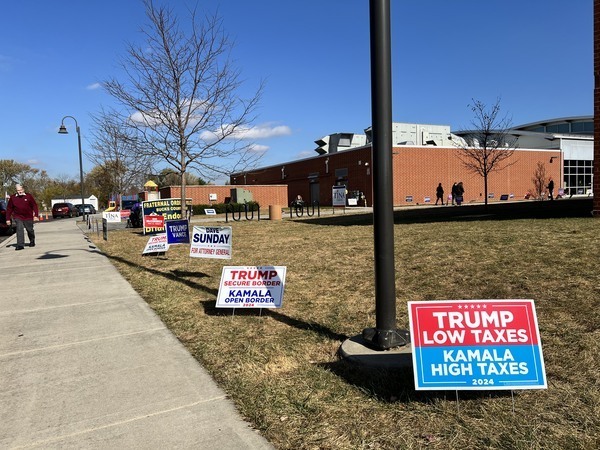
{"x": 241, "y": 195}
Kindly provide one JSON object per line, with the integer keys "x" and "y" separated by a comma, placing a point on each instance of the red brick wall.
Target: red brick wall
{"x": 299, "y": 175}
{"x": 264, "y": 195}
{"x": 416, "y": 170}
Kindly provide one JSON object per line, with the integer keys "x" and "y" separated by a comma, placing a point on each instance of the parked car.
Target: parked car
{"x": 64, "y": 210}
{"x": 5, "y": 229}
{"x": 86, "y": 208}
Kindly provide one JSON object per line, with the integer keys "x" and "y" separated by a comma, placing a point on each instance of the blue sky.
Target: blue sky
{"x": 536, "y": 55}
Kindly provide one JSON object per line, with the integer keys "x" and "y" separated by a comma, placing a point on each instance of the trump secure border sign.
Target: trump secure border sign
{"x": 476, "y": 345}
{"x": 251, "y": 287}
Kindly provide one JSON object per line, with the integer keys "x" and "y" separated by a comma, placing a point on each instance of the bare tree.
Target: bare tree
{"x": 540, "y": 181}
{"x": 181, "y": 96}
{"x": 489, "y": 144}
{"x": 115, "y": 149}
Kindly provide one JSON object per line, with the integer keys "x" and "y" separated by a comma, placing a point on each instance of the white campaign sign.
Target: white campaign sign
{"x": 112, "y": 216}
{"x": 157, "y": 243}
{"x": 251, "y": 287}
{"x": 338, "y": 194}
{"x": 211, "y": 242}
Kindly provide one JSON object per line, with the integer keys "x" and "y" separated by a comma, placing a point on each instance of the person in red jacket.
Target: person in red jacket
{"x": 23, "y": 210}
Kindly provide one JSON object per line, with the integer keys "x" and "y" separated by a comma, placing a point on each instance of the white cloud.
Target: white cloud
{"x": 256, "y": 148}
{"x": 94, "y": 86}
{"x": 264, "y": 131}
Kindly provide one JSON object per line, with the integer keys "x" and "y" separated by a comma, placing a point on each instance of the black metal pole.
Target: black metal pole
{"x": 63, "y": 130}
{"x": 385, "y": 335}
{"x": 81, "y": 173}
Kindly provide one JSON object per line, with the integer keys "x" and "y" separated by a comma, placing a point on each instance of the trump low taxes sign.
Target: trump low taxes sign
{"x": 476, "y": 344}
{"x": 251, "y": 287}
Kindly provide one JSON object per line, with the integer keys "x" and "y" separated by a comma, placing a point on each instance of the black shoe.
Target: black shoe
{"x": 19, "y": 247}
{"x": 32, "y": 244}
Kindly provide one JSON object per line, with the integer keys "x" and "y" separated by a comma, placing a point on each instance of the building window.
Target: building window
{"x": 583, "y": 127}
{"x": 341, "y": 173}
{"x": 578, "y": 176}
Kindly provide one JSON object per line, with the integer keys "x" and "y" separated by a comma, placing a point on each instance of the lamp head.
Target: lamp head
{"x": 62, "y": 129}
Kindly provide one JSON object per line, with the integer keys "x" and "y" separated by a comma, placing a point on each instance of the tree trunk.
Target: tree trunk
{"x": 183, "y": 196}
{"x": 485, "y": 189}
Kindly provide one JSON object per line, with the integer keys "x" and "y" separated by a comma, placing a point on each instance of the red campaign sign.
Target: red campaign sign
{"x": 476, "y": 344}
{"x": 468, "y": 323}
{"x": 154, "y": 221}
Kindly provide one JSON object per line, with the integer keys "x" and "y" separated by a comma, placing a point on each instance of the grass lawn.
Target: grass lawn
{"x": 282, "y": 369}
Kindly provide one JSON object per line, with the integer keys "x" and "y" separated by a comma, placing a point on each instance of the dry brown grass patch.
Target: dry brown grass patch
{"x": 281, "y": 367}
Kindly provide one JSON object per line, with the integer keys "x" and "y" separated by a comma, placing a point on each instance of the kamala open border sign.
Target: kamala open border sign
{"x": 476, "y": 345}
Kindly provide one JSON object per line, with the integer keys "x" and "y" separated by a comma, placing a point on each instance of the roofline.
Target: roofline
{"x": 553, "y": 121}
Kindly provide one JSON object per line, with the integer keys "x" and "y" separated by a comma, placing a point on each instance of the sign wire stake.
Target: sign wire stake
{"x": 512, "y": 395}
{"x": 457, "y": 405}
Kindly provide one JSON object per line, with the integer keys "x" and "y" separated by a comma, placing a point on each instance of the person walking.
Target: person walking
{"x": 551, "y": 189}
{"x": 439, "y": 194}
{"x": 453, "y": 193}
{"x": 23, "y": 210}
{"x": 460, "y": 192}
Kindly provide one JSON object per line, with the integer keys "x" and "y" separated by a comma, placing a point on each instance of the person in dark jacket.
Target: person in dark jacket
{"x": 23, "y": 210}
{"x": 453, "y": 192}
{"x": 439, "y": 194}
{"x": 551, "y": 189}
{"x": 460, "y": 192}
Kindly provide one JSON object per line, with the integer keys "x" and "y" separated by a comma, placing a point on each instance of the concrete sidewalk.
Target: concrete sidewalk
{"x": 85, "y": 363}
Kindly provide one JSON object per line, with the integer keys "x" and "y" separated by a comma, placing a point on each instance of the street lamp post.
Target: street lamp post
{"x": 385, "y": 335}
{"x": 63, "y": 130}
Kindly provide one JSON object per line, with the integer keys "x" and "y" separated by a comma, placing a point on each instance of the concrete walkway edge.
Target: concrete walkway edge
{"x": 86, "y": 363}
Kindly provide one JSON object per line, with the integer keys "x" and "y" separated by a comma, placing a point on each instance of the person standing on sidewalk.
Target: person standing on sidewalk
{"x": 551, "y": 189}
{"x": 23, "y": 209}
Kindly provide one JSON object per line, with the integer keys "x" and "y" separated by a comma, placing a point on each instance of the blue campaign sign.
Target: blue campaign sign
{"x": 178, "y": 231}
{"x": 476, "y": 345}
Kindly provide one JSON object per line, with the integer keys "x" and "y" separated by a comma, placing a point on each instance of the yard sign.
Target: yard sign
{"x": 251, "y": 287}
{"x": 156, "y": 244}
{"x": 338, "y": 195}
{"x": 476, "y": 345}
{"x": 178, "y": 231}
{"x": 211, "y": 242}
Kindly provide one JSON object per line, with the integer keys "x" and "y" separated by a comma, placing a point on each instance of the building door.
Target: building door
{"x": 315, "y": 193}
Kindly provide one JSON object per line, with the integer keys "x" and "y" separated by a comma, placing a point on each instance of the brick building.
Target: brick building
{"x": 276, "y": 194}
{"x": 417, "y": 170}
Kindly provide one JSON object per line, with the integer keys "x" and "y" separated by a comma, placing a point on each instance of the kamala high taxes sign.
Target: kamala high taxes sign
{"x": 476, "y": 344}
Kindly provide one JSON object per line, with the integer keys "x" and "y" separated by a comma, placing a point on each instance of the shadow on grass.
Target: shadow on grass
{"x": 211, "y": 310}
{"x": 397, "y": 385}
{"x": 493, "y": 211}
{"x": 308, "y": 326}
{"x": 173, "y": 275}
